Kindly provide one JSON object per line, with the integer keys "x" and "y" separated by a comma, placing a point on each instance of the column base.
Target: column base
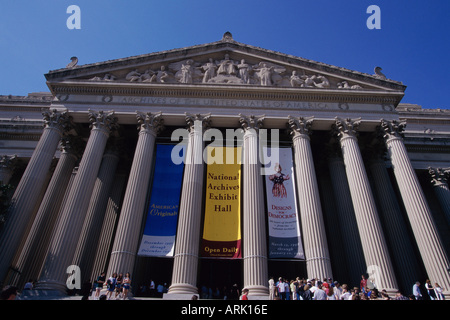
{"x": 180, "y": 296}
{"x": 52, "y": 285}
{"x": 183, "y": 288}
{"x": 42, "y": 294}
{"x": 391, "y": 292}
{"x": 48, "y": 289}
{"x": 258, "y": 297}
{"x": 255, "y": 292}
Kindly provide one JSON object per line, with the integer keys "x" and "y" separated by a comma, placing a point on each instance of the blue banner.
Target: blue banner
{"x": 158, "y": 239}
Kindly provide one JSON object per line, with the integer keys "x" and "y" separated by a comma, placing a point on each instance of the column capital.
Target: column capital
{"x": 392, "y": 129}
{"x": 192, "y": 119}
{"x": 72, "y": 144}
{"x": 150, "y": 122}
{"x": 300, "y": 125}
{"x": 104, "y": 121}
{"x": 344, "y": 128}
{"x": 251, "y": 122}
{"x": 57, "y": 120}
{"x": 8, "y": 162}
{"x": 439, "y": 176}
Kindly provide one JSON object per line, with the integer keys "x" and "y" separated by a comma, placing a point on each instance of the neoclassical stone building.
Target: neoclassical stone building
{"x": 92, "y": 161}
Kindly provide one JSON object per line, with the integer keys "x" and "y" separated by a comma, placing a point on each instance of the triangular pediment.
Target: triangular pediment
{"x": 225, "y": 62}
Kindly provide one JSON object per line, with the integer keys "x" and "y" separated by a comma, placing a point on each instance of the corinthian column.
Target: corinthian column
{"x": 127, "y": 237}
{"x": 25, "y": 198}
{"x": 68, "y": 228}
{"x": 439, "y": 180}
{"x": 430, "y": 245}
{"x": 255, "y": 248}
{"x": 89, "y": 238}
{"x": 376, "y": 253}
{"x": 351, "y": 242}
{"x": 394, "y": 225}
{"x": 29, "y": 262}
{"x": 318, "y": 262}
{"x": 185, "y": 265}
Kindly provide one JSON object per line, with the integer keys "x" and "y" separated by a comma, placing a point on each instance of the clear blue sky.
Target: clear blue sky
{"x": 412, "y": 45}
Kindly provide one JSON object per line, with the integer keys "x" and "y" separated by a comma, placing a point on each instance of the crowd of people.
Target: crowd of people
{"x": 118, "y": 287}
{"x": 326, "y": 289}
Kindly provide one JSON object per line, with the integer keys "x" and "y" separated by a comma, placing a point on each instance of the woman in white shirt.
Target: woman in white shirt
{"x": 439, "y": 292}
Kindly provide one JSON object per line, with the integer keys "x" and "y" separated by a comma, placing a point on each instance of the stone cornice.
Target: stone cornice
{"x": 215, "y": 91}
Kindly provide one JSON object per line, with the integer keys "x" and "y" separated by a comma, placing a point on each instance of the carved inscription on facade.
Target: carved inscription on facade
{"x": 231, "y": 103}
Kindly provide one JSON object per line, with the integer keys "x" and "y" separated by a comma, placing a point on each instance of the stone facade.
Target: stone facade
{"x": 385, "y": 165}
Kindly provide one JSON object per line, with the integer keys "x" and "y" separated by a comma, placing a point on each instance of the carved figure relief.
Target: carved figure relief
{"x": 295, "y": 80}
{"x": 227, "y": 66}
{"x": 244, "y": 71}
{"x": 345, "y": 85}
{"x": 268, "y": 74}
{"x": 229, "y": 71}
{"x": 187, "y": 71}
{"x": 106, "y": 77}
{"x": 162, "y": 75}
{"x": 210, "y": 70}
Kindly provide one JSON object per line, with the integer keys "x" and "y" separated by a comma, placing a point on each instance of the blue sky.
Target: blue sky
{"x": 412, "y": 45}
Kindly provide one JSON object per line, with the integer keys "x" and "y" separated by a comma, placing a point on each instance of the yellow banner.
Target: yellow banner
{"x": 222, "y": 225}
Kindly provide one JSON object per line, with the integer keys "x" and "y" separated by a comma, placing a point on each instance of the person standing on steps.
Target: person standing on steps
{"x": 126, "y": 285}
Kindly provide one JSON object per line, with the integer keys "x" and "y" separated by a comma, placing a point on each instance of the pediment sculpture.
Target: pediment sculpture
{"x": 228, "y": 71}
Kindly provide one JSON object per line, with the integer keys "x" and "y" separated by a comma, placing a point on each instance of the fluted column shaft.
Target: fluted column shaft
{"x": 430, "y": 245}
{"x": 254, "y": 237}
{"x": 351, "y": 241}
{"x": 126, "y": 241}
{"x": 185, "y": 266}
{"x": 394, "y": 224}
{"x": 34, "y": 250}
{"x": 68, "y": 229}
{"x": 30, "y": 187}
{"x": 439, "y": 180}
{"x": 317, "y": 255}
{"x": 87, "y": 245}
{"x": 109, "y": 222}
{"x": 372, "y": 238}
